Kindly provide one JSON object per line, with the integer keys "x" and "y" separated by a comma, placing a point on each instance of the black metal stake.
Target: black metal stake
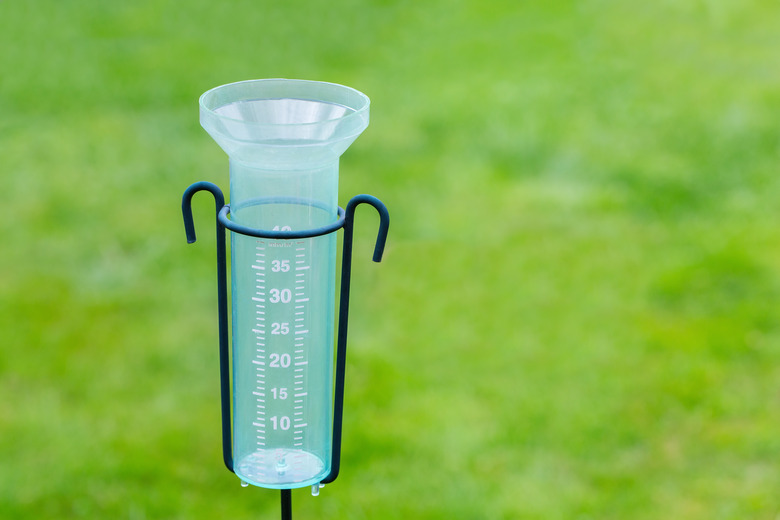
{"x": 286, "y": 504}
{"x": 346, "y": 220}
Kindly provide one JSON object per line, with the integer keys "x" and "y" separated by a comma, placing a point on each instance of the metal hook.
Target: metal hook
{"x": 384, "y": 221}
{"x": 186, "y": 205}
{"x": 341, "y": 349}
{"x": 222, "y": 303}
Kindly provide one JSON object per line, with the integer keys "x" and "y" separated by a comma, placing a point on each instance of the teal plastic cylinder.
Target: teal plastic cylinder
{"x": 284, "y": 139}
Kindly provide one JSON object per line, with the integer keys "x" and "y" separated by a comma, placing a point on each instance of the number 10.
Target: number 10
{"x": 280, "y": 423}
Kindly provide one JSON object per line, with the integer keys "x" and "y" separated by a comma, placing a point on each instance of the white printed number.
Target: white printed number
{"x": 280, "y": 328}
{"x": 280, "y": 266}
{"x": 280, "y": 423}
{"x": 279, "y": 393}
{"x": 280, "y": 295}
{"x": 280, "y": 360}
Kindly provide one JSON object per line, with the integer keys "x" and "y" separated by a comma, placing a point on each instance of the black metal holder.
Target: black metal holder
{"x": 345, "y": 220}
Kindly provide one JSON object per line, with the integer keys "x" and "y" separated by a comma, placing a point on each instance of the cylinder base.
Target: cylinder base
{"x": 281, "y": 469}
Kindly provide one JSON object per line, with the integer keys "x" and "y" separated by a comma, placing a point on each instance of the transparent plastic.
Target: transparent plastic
{"x": 283, "y": 139}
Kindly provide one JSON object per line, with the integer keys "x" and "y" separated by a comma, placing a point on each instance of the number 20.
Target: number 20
{"x": 280, "y": 360}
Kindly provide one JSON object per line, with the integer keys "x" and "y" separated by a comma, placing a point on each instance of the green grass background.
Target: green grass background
{"x": 577, "y": 315}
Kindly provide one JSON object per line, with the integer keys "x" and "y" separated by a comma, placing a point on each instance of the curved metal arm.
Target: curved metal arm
{"x": 186, "y": 205}
{"x": 341, "y": 349}
{"x": 222, "y": 302}
{"x": 384, "y": 222}
{"x": 279, "y": 235}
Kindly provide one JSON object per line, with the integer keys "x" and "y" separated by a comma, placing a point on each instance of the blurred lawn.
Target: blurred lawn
{"x": 576, "y": 317}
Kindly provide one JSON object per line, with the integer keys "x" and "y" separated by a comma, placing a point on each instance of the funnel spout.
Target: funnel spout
{"x": 284, "y": 124}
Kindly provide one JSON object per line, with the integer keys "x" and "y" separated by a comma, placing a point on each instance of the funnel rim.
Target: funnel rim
{"x": 354, "y": 112}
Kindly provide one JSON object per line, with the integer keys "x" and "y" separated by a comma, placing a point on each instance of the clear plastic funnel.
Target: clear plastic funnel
{"x": 284, "y": 139}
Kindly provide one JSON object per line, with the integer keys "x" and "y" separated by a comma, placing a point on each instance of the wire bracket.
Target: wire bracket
{"x": 345, "y": 219}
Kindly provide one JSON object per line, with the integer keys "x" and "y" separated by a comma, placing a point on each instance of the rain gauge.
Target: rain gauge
{"x": 284, "y": 139}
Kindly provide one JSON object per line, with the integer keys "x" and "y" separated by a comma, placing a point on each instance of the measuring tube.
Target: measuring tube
{"x": 284, "y": 139}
